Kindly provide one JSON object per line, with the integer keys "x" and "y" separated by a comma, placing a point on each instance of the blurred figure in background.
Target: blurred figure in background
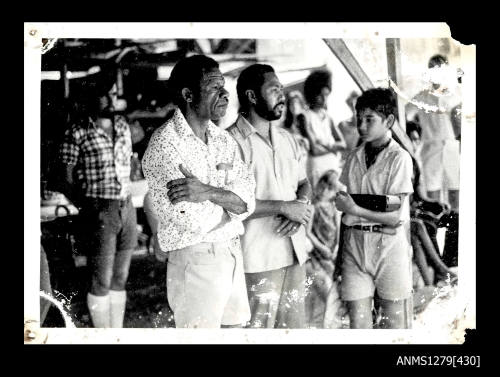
{"x": 295, "y": 123}
{"x": 323, "y": 300}
{"x": 348, "y": 127}
{"x": 438, "y": 111}
{"x": 325, "y": 138}
{"x": 440, "y": 148}
{"x": 98, "y": 148}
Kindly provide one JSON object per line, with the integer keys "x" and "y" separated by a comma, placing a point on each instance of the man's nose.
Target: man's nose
{"x": 224, "y": 93}
{"x": 281, "y": 96}
{"x": 361, "y": 124}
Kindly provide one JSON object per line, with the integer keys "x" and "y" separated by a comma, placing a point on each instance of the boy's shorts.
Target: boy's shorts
{"x": 441, "y": 165}
{"x": 206, "y": 285}
{"x": 376, "y": 261}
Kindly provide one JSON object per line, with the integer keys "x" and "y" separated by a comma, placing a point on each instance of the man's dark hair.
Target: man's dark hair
{"x": 187, "y": 73}
{"x": 251, "y": 78}
{"x": 380, "y": 100}
{"x": 315, "y": 82}
{"x": 437, "y": 60}
{"x": 413, "y": 126}
{"x": 85, "y": 98}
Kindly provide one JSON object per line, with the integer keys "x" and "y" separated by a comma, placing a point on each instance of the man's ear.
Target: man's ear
{"x": 252, "y": 98}
{"x": 187, "y": 94}
{"x": 390, "y": 120}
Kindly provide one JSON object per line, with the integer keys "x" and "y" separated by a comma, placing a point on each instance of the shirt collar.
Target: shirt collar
{"x": 244, "y": 126}
{"x": 246, "y": 129}
{"x": 360, "y": 154}
{"x": 92, "y": 124}
{"x": 183, "y": 129}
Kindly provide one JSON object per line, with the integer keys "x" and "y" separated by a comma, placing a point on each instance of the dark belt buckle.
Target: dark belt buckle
{"x": 376, "y": 228}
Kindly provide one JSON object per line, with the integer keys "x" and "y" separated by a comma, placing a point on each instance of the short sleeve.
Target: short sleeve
{"x": 302, "y": 160}
{"x": 69, "y": 148}
{"x": 344, "y": 175}
{"x": 400, "y": 175}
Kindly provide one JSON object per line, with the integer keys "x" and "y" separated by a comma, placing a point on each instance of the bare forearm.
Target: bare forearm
{"x": 227, "y": 200}
{"x": 387, "y": 218}
{"x": 68, "y": 185}
{"x": 338, "y": 147}
{"x": 304, "y": 190}
{"x": 264, "y": 208}
{"x": 319, "y": 150}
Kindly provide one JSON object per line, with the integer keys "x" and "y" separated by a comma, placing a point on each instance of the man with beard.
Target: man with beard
{"x": 97, "y": 150}
{"x": 274, "y": 250}
{"x": 200, "y": 191}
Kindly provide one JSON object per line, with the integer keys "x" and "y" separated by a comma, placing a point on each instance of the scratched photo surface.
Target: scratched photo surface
{"x": 432, "y": 76}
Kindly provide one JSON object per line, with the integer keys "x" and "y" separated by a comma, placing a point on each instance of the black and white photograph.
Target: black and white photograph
{"x": 248, "y": 183}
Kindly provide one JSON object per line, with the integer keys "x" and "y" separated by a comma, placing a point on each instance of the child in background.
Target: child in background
{"x": 323, "y": 301}
{"x": 376, "y": 250}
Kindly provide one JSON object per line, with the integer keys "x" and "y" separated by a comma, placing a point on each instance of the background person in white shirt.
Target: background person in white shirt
{"x": 274, "y": 248}
{"x": 325, "y": 138}
{"x": 201, "y": 191}
{"x": 440, "y": 152}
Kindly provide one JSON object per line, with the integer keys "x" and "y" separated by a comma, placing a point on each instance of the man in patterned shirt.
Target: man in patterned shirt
{"x": 201, "y": 191}
{"x": 98, "y": 150}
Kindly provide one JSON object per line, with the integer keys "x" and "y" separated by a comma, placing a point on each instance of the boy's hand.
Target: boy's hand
{"x": 345, "y": 203}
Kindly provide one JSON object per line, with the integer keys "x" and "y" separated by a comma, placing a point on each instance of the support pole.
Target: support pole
{"x": 393, "y": 47}
{"x": 347, "y": 59}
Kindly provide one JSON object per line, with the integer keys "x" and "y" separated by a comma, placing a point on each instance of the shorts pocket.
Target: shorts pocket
{"x": 201, "y": 258}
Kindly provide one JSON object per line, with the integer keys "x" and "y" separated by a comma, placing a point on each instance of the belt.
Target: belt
{"x": 377, "y": 228}
{"x": 121, "y": 202}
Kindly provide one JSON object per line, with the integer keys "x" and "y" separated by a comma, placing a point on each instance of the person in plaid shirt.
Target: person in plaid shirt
{"x": 97, "y": 149}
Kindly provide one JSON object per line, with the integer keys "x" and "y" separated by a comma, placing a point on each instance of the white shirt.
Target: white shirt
{"x": 390, "y": 174}
{"x": 186, "y": 223}
{"x": 278, "y": 168}
{"x": 436, "y": 121}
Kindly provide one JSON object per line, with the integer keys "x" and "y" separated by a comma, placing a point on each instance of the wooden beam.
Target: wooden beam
{"x": 347, "y": 59}
{"x": 352, "y": 66}
{"x": 393, "y": 47}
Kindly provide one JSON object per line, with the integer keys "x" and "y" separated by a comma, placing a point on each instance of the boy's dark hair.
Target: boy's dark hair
{"x": 316, "y": 81}
{"x": 187, "y": 73}
{"x": 437, "y": 60}
{"x": 380, "y": 100}
{"x": 251, "y": 78}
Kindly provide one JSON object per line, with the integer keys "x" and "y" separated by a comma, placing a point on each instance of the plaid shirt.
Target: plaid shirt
{"x": 102, "y": 165}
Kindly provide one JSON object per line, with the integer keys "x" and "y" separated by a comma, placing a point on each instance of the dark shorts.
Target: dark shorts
{"x": 108, "y": 226}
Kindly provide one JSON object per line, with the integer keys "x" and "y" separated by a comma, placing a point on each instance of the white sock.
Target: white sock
{"x": 99, "y": 310}
{"x": 117, "y": 300}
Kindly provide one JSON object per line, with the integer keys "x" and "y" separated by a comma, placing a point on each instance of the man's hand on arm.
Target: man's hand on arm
{"x": 287, "y": 227}
{"x": 190, "y": 189}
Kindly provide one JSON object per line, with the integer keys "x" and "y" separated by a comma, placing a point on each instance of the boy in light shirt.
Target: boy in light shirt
{"x": 376, "y": 252}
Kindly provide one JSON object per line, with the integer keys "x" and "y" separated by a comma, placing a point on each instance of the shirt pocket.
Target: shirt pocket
{"x": 225, "y": 173}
